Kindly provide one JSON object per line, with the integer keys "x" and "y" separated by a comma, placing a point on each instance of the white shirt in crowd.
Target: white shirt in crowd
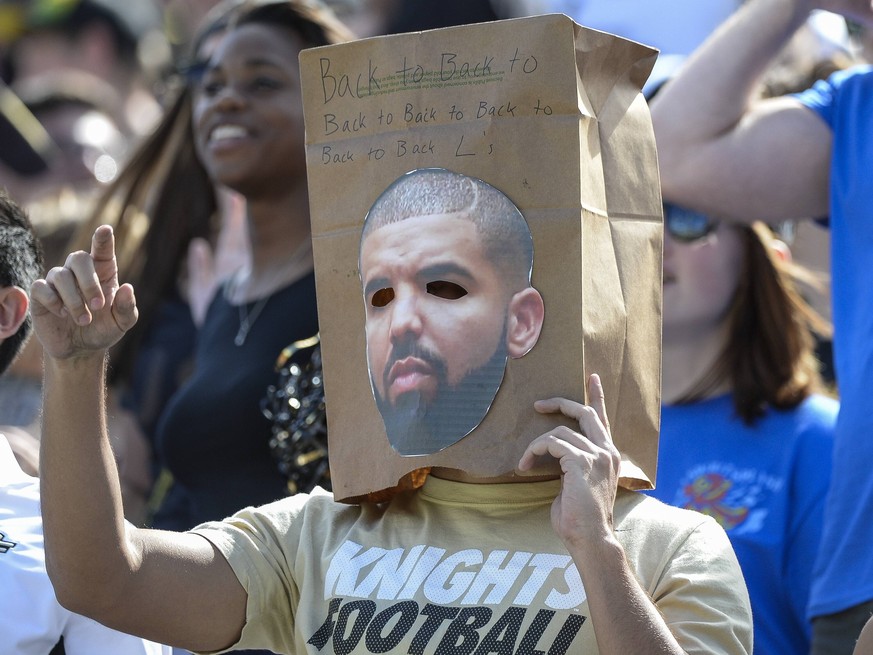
{"x": 31, "y": 620}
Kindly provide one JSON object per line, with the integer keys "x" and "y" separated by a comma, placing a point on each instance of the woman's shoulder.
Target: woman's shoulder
{"x": 819, "y": 411}
{"x": 812, "y": 427}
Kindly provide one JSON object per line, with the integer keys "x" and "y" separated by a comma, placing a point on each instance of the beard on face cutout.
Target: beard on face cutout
{"x": 418, "y": 426}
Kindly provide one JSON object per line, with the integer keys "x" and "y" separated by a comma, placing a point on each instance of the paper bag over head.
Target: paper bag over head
{"x": 439, "y": 163}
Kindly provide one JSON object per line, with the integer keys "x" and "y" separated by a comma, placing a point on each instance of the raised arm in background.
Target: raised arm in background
{"x": 726, "y": 153}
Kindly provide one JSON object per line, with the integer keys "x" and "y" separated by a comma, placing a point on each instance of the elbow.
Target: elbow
{"x": 77, "y": 594}
{"x": 670, "y": 164}
{"x": 676, "y": 154}
{"x": 70, "y": 596}
{"x": 680, "y": 174}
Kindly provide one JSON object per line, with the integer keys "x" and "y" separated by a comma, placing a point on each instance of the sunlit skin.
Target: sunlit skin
{"x": 248, "y": 110}
{"x": 427, "y": 280}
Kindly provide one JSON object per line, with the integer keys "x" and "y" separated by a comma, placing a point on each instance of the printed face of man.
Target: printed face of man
{"x": 437, "y": 315}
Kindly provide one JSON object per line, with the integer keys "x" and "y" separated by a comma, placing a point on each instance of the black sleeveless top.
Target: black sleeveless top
{"x": 212, "y": 436}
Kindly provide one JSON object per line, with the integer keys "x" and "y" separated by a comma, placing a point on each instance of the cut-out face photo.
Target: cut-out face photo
{"x": 445, "y": 264}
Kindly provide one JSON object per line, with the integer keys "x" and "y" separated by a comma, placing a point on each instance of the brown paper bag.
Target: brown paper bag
{"x": 550, "y": 114}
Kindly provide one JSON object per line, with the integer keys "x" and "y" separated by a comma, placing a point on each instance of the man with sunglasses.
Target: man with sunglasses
{"x": 726, "y": 153}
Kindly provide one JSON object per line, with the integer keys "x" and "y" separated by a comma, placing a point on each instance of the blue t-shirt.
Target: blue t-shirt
{"x": 844, "y": 571}
{"x": 765, "y": 484}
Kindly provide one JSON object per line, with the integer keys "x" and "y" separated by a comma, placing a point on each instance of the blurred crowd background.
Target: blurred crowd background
{"x": 95, "y": 126}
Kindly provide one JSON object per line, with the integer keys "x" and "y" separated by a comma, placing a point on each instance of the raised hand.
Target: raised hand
{"x": 79, "y": 308}
{"x": 589, "y": 463}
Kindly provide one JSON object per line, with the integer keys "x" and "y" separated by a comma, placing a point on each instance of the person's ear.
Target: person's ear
{"x": 526, "y": 314}
{"x": 14, "y": 304}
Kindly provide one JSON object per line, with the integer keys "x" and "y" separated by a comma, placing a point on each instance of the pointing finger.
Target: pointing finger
{"x": 103, "y": 244}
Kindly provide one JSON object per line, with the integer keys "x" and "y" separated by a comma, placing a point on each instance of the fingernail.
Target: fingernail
{"x": 96, "y": 303}
{"x": 84, "y": 319}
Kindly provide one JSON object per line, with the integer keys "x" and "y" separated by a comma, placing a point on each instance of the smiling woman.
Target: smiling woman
{"x": 247, "y": 122}
{"x": 237, "y": 124}
{"x": 248, "y": 113}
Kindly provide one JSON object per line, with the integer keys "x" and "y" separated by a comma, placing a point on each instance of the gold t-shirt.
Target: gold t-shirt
{"x": 467, "y": 569}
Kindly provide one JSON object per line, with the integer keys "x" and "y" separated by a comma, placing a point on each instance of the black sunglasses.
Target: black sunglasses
{"x": 687, "y": 225}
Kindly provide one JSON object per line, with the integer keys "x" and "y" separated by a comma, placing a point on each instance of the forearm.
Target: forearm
{"x": 86, "y": 551}
{"x": 725, "y": 153}
{"x": 174, "y": 588}
{"x": 718, "y": 81}
{"x": 625, "y": 619}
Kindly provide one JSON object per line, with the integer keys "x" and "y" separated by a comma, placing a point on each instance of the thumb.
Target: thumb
{"x": 124, "y": 309}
